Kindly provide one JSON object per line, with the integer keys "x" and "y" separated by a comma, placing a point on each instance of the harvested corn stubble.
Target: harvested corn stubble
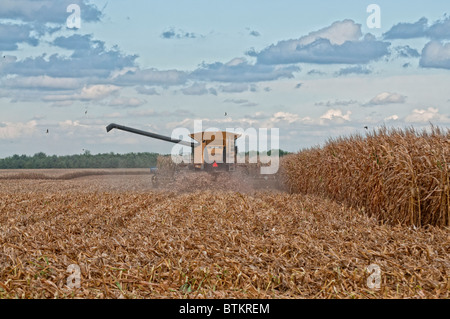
{"x": 141, "y": 243}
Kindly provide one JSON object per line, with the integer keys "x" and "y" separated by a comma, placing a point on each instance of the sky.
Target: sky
{"x": 314, "y": 70}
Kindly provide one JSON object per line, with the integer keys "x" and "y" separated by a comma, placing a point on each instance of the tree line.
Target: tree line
{"x": 85, "y": 160}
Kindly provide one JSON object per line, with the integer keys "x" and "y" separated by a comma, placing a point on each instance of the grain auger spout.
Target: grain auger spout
{"x": 149, "y": 134}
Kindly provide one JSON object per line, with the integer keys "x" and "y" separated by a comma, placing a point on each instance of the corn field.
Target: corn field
{"x": 353, "y": 204}
{"x": 398, "y": 176}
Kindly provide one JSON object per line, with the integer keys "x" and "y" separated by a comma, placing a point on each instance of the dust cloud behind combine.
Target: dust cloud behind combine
{"x": 137, "y": 180}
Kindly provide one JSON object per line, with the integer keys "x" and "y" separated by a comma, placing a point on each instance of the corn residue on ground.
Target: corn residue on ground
{"x": 134, "y": 242}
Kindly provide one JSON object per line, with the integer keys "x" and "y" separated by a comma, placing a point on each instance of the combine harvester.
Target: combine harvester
{"x": 212, "y": 157}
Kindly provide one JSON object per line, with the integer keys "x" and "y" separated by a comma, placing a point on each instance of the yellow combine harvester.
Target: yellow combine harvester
{"x": 210, "y": 151}
{"x": 213, "y": 152}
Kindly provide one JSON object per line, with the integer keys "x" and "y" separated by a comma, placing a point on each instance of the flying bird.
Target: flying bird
{"x": 47, "y": 131}
{"x": 366, "y": 127}
{"x": 225, "y": 113}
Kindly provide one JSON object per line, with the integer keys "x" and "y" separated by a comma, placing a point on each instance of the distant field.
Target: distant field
{"x": 202, "y": 239}
{"x": 66, "y": 173}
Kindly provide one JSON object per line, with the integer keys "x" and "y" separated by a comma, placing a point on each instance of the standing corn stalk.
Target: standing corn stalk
{"x": 399, "y": 176}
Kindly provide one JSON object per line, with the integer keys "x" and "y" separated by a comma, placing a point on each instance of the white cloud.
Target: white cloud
{"x": 210, "y": 124}
{"x": 437, "y": 30}
{"x": 126, "y": 102}
{"x": 241, "y": 102}
{"x": 16, "y": 130}
{"x": 358, "y": 69}
{"x": 429, "y": 115}
{"x": 336, "y": 103}
{"x": 96, "y": 92}
{"x": 336, "y": 114}
{"x": 70, "y": 123}
{"x": 340, "y": 43}
{"x": 117, "y": 73}
{"x": 285, "y": 117}
{"x": 257, "y": 116}
{"x": 146, "y": 90}
{"x": 338, "y": 33}
{"x": 93, "y": 92}
{"x": 195, "y": 89}
{"x": 392, "y": 118}
{"x": 152, "y": 77}
{"x": 236, "y": 61}
{"x": 165, "y": 114}
{"x": 239, "y": 70}
{"x": 436, "y": 55}
{"x": 237, "y": 88}
{"x": 42, "y": 82}
{"x": 387, "y": 98}
{"x": 331, "y": 116}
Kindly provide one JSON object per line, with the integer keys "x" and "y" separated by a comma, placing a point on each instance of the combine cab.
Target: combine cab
{"x": 218, "y": 151}
{"x": 213, "y": 152}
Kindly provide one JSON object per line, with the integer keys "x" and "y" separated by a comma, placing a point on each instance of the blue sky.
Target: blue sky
{"x": 315, "y": 70}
